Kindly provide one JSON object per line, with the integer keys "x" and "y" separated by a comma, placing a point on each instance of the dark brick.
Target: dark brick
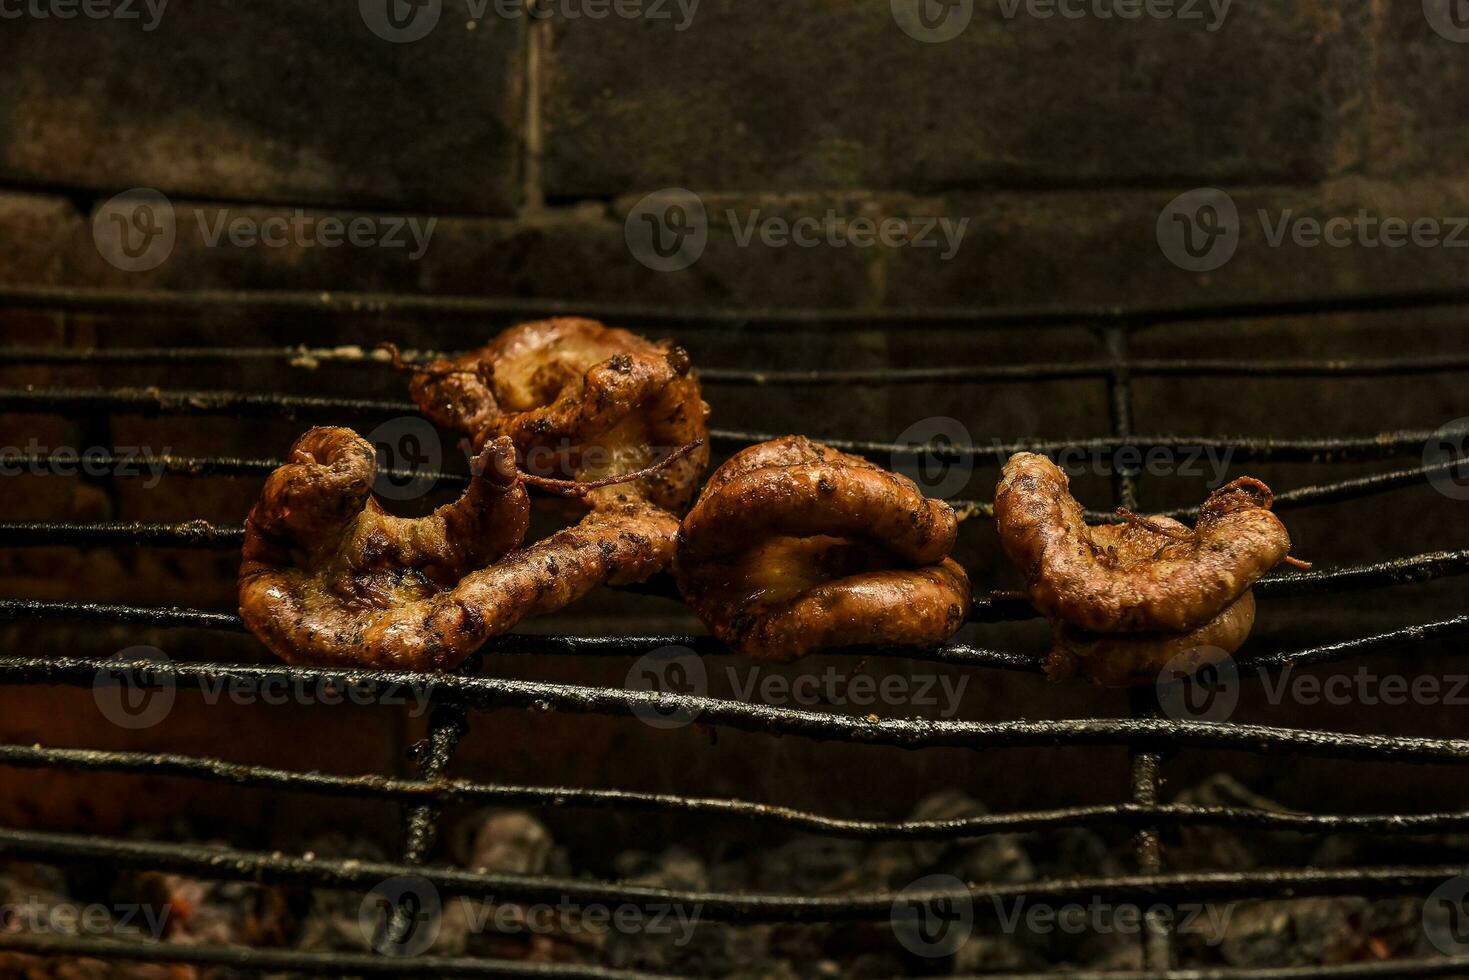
{"x": 1418, "y": 124}
{"x": 760, "y": 96}
{"x": 1102, "y": 247}
{"x": 570, "y": 254}
{"x": 268, "y": 100}
{"x": 35, "y": 232}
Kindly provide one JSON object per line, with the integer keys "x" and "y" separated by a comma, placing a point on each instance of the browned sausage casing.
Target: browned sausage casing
{"x": 794, "y": 547}
{"x": 580, "y": 401}
{"x": 1125, "y": 577}
{"x": 1124, "y": 659}
{"x": 329, "y": 579}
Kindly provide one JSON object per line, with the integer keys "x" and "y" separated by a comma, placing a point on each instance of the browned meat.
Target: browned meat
{"x": 1151, "y": 575}
{"x": 795, "y": 547}
{"x": 1126, "y": 599}
{"x": 328, "y": 578}
{"x": 579, "y": 400}
{"x": 1124, "y": 659}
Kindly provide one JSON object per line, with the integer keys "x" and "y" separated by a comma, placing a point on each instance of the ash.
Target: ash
{"x": 1005, "y": 936}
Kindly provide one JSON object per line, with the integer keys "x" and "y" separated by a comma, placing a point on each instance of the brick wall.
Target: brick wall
{"x": 1060, "y": 139}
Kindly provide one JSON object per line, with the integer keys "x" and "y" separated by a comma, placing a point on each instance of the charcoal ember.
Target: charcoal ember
{"x": 1237, "y": 848}
{"x": 15, "y": 966}
{"x": 992, "y": 858}
{"x": 333, "y": 920}
{"x": 231, "y": 913}
{"x": 1347, "y": 850}
{"x": 1287, "y": 932}
{"x": 507, "y": 841}
{"x": 1394, "y": 927}
{"x": 675, "y": 940}
{"x": 511, "y": 842}
{"x": 515, "y": 842}
{"x": 810, "y": 865}
{"x": 29, "y": 894}
{"x": 676, "y": 867}
{"x": 983, "y": 953}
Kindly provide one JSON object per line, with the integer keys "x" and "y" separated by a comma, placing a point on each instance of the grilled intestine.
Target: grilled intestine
{"x": 329, "y": 578}
{"x": 579, "y": 399}
{"x": 794, "y": 547}
{"x": 1127, "y": 600}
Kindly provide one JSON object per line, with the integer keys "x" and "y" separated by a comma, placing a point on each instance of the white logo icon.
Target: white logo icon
{"x": 135, "y": 231}
{"x": 932, "y": 21}
{"x": 137, "y": 689}
{"x": 670, "y": 670}
{"x": 1199, "y": 229}
{"x": 401, "y": 21}
{"x": 667, "y": 230}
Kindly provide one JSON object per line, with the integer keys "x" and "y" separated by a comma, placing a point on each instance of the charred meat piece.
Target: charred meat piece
{"x": 794, "y": 547}
{"x": 1125, "y": 659}
{"x": 579, "y": 400}
{"x": 1126, "y": 599}
{"x": 1145, "y": 575}
{"x": 328, "y": 578}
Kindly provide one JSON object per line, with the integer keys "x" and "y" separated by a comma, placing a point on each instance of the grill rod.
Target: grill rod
{"x": 339, "y": 964}
{"x": 486, "y": 693}
{"x": 215, "y": 770}
{"x": 201, "y": 466}
{"x": 198, "y": 533}
{"x": 309, "y": 358}
{"x": 995, "y": 608}
{"x": 473, "y": 308}
{"x": 155, "y": 401}
{"x": 216, "y": 863}
{"x": 956, "y": 654}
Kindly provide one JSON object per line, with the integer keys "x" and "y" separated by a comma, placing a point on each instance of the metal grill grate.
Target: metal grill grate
{"x": 456, "y": 697}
